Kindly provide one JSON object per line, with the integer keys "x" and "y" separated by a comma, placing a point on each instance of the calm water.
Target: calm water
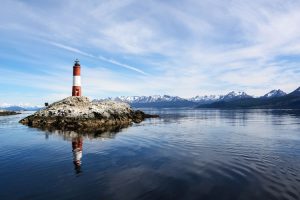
{"x": 186, "y": 154}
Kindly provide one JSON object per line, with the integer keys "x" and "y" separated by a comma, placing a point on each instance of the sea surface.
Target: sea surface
{"x": 184, "y": 154}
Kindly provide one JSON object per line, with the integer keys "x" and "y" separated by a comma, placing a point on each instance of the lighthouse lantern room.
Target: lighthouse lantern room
{"x": 76, "y": 89}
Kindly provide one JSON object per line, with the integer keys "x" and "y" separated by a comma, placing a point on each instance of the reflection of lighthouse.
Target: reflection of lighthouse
{"x": 76, "y": 90}
{"x": 77, "y": 153}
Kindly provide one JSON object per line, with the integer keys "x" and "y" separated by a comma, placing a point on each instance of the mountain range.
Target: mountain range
{"x": 155, "y": 101}
{"x": 19, "y": 108}
{"x": 230, "y": 100}
{"x": 273, "y": 99}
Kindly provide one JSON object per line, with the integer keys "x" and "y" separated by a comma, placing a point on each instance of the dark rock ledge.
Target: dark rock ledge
{"x": 78, "y": 113}
{"x": 6, "y": 112}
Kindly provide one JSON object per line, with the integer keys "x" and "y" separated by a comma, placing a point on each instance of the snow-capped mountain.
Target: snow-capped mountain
{"x": 275, "y": 99}
{"x": 214, "y": 98}
{"x": 149, "y": 99}
{"x": 175, "y": 101}
{"x": 153, "y": 101}
{"x": 234, "y": 96}
{"x": 274, "y": 93}
{"x": 206, "y": 98}
{"x": 20, "y": 107}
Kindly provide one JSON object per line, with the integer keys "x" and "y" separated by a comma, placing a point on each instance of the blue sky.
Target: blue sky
{"x": 128, "y": 47}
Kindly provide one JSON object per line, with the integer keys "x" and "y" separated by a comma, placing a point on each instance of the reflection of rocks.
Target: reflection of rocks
{"x": 105, "y": 132}
{"x": 6, "y": 112}
{"x": 78, "y": 113}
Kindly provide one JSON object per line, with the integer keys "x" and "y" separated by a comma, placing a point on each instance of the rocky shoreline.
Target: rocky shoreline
{"x": 80, "y": 114}
{"x": 6, "y": 113}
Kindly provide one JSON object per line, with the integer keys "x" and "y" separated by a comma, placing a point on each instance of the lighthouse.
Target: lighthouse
{"x": 76, "y": 89}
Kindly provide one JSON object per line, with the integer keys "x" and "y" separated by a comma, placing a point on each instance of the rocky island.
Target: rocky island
{"x": 7, "y": 112}
{"x": 80, "y": 114}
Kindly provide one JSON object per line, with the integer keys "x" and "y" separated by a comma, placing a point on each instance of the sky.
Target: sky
{"x": 132, "y": 47}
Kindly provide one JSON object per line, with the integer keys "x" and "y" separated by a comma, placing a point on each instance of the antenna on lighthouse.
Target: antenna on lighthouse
{"x": 76, "y": 62}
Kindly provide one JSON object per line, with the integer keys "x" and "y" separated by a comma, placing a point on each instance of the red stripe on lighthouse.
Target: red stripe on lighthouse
{"x": 76, "y": 70}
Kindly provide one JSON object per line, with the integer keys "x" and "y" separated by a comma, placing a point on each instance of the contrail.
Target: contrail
{"x": 97, "y": 57}
{"x": 121, "y": 64}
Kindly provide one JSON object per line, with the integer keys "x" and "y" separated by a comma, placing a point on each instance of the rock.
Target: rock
{"x": 6, "y": 112}
{"x": 78, "y": 113}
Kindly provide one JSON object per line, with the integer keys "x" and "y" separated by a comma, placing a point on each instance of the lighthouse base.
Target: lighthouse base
{"x": 76, "y": 91}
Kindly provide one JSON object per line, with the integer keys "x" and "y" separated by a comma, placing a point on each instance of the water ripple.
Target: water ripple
{"x": 186, "y": 154}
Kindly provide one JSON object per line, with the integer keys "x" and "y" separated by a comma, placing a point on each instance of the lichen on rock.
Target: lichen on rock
{"x": 79, "y": 113}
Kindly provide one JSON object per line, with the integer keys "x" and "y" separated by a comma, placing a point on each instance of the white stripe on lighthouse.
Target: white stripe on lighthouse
{"x": 76, "y": 81}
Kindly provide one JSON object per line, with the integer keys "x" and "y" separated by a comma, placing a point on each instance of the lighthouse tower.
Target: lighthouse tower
{"x": 76, "y": 89}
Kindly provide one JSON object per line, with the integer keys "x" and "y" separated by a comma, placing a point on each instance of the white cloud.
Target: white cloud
{"x": 185, "y": 49}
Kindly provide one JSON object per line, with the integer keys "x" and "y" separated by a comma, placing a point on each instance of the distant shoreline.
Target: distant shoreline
{"x": 6, "y": 113}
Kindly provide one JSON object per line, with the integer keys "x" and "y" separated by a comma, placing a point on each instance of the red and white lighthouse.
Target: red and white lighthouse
{"x": 76, "y": 89}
